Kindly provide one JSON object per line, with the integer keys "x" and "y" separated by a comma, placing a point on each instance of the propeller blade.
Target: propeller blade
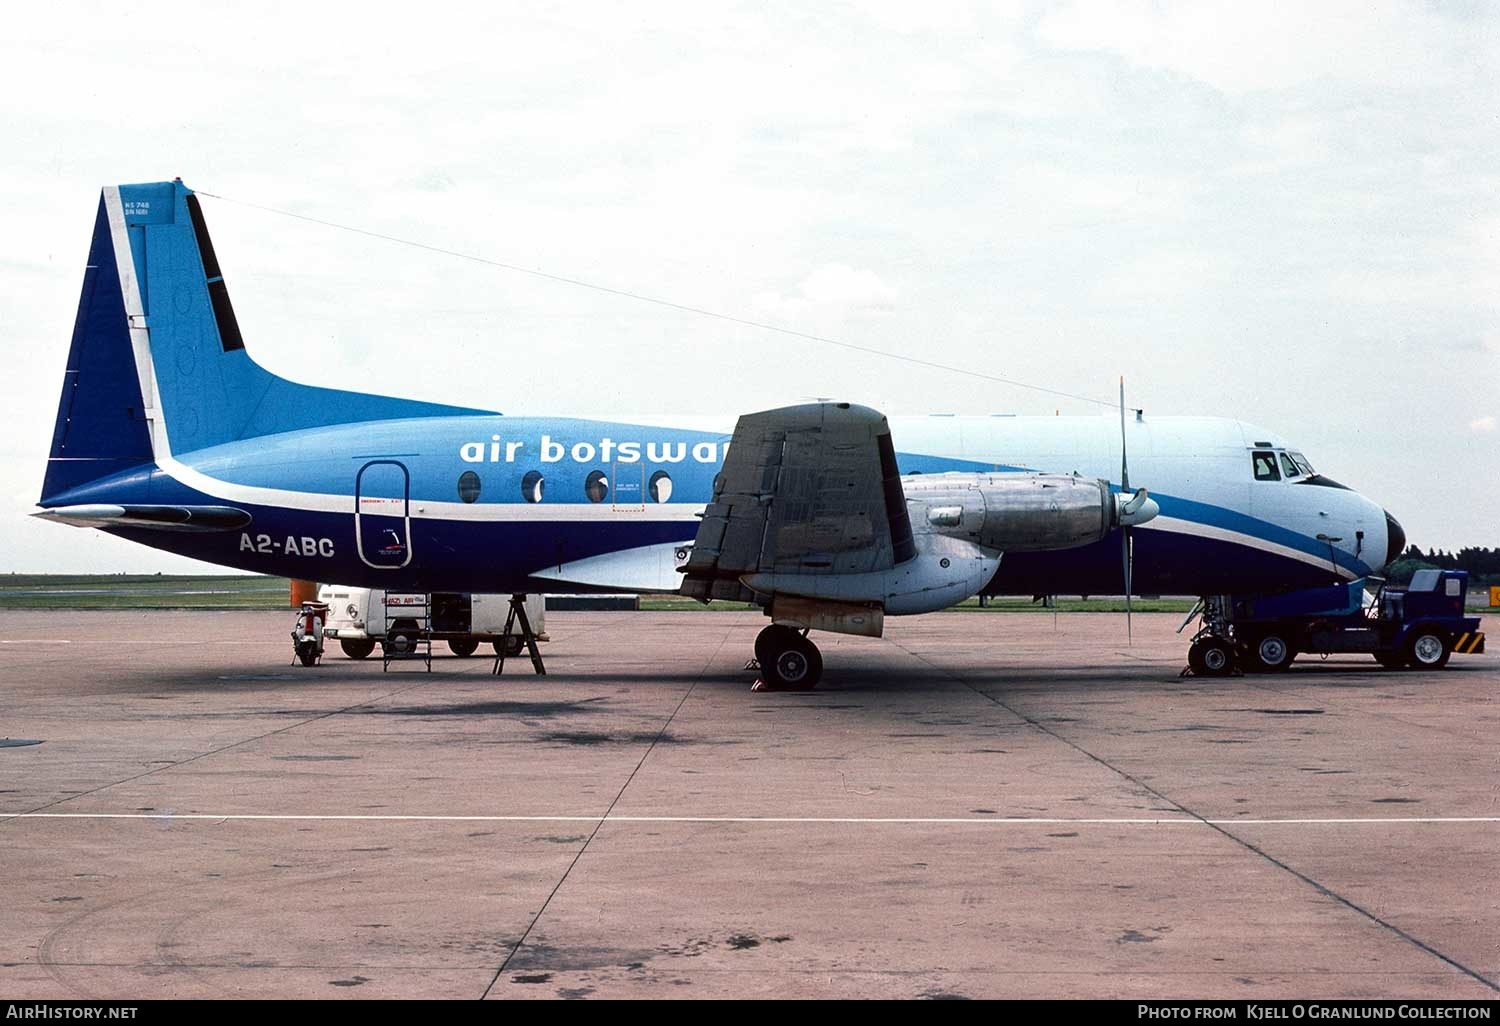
{"x": 1127, "y": 555}
{"x": 1124, "y": 466}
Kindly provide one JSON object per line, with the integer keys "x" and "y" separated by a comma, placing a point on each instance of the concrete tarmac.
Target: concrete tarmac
{"x": 977, "y": 805}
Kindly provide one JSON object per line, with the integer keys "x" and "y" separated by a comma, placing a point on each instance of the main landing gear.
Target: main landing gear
{"x": 788, "y": 660}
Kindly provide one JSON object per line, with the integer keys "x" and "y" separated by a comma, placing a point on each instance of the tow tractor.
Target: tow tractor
{"x": 1418, "y": 626}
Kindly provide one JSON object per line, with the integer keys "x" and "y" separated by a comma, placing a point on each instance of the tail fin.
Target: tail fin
{"x": 157, "y": 363}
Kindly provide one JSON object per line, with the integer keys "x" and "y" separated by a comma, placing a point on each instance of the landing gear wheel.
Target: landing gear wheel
{"x": 510, "y": 645}
{"x": 1270, "y": 654}
{"x": 357, "y": 648}
{"x": 1428, "y": 650}
{"x": 771, "y": 638}
{"x": 788, "y": 661}
{"x": 463, "y": 647}
{"x": 1211, "y": 657}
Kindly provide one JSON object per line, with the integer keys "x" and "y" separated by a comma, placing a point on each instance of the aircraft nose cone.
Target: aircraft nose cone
{"x": 1395, "y": 539}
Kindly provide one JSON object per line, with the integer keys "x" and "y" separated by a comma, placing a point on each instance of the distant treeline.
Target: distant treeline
{"x": 1483, "y": 564}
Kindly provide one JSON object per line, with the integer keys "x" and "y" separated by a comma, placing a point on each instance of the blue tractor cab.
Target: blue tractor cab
{"x": 1417, "y": 627}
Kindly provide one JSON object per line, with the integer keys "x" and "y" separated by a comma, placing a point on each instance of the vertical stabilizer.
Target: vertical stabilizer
{"x": 158, "y": 364}
{"x": 102, "y": 424}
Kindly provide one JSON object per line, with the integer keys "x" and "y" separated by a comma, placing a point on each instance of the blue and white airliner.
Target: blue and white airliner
{"x": 829, "y": 516}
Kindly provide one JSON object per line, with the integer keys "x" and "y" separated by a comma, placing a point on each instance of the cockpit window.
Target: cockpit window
{"x": 1302, "y": 463}
{"x": 1265, "y": 466}
{"x": 1288, "y": 467}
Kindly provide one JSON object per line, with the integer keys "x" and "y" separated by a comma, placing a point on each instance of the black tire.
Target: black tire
{"x": 1211, "y": 657}
{"x": 400, "y": 643}
{"x": 1270, "y": 653}
{"x": 307, "y": 654}
{"x": 463, "y": 647}
{"x": 511, "y": 645}
{"x": 794, "y": 664}
{"x": 357, "y": 648}
{"x": 1428, "y": 649}
{"x": 771, "y": 638}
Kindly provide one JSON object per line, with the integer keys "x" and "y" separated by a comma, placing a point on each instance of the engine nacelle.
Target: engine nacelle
{"x": 961, "y": 525}
{"x": 1021, "y": 512}
{"x": 944, "y": 572}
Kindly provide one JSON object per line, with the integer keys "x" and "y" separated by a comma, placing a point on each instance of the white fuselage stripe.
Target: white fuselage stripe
{"x": 515, "y": 512}
{"x": 1176, "y": 525}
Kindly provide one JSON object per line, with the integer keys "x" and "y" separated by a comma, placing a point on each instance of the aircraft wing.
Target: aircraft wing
{"x": 805, "y": 490}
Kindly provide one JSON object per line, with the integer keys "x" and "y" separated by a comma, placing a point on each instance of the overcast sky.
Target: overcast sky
{"x": 1286, "y": 213}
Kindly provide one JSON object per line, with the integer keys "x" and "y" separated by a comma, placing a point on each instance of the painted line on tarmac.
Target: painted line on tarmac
{"x": 811, "y": 820}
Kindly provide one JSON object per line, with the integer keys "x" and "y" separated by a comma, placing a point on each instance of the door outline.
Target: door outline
{"x": 359, "y": 535}
{"x": 635, "y": 475}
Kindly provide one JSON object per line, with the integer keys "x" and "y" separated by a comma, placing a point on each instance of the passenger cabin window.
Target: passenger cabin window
{"x": 532, "y": 486}
{"x": 596, "y": 486}
{"x": 1265, "y": 466}
{"x": 1288, "y": 468}
{"x": 660, "y": 486}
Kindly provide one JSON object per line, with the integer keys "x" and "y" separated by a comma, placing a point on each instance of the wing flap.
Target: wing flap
{"x": 804, "y": 490}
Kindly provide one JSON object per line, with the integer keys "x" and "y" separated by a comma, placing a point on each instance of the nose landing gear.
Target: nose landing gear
{"x": 1213, "y": 651}
{"x": 788, "y": 660}
{"x": 1211, "y": 657}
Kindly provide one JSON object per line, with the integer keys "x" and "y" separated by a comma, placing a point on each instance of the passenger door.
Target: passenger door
{"x": 382, "y": 514}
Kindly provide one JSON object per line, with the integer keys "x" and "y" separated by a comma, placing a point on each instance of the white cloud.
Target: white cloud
{"x": 1239, "y": 48}
{"x": 1488, "y": 423}
{"x": 831, "y": 291}
{"x": 1190, "y": 194}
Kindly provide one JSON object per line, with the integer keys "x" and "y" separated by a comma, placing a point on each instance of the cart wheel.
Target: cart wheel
{"x": 1270, "y": 654}
{"x": 511, "y": 645}
{"x": 402, "y": 642}
{"x": 463, "y": 647}
{"x": 1428, "y": 649}
{"x": 357, "y": 648}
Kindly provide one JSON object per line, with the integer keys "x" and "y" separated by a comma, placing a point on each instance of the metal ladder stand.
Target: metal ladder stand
{"x": 418, "y": 644}
{"x": 528, "y": 638}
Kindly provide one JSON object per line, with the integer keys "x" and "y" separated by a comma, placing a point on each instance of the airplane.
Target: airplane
{"x": 827, "y": 515}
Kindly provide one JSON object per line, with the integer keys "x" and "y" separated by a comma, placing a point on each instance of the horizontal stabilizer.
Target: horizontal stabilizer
{"x": 158, "y": 518}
